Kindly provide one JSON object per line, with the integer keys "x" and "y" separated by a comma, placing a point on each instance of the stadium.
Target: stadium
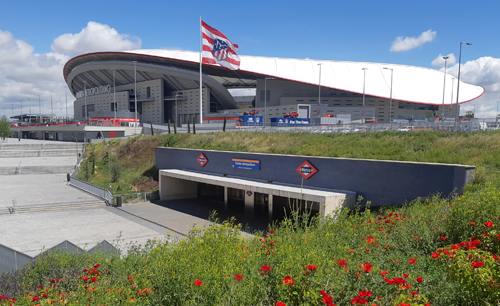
{"x": 165, "y": 85}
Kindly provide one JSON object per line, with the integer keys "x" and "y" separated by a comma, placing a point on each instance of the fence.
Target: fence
{"x": 12, "y": 260}
{"x": 136, "y": 197}
{"x": 92, "y": 189}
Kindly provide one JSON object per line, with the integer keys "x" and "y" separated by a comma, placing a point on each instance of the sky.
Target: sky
{"x": 38, "y": 37}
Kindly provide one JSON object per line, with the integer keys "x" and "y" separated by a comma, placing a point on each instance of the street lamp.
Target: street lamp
{"x": 363, "y": 107}
{"x": 458, "y": 84}
{"x": 319, "y": 93}
{"x": 265, "y": 100}
{"x": 40, "y": 108}
{"x": 66, "y": 92}
{"x": 444, "y": 86}
{"x": 390, "y": 103}
{"x": 85, "y": 97}
{"x": 21, "y": 111}
{"x": 114, "y": 94}
{"x": 135, "y": 93}
{"x": 51, "y": 105}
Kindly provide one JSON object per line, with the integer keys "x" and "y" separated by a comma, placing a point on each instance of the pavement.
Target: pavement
{"x": 63, "y": 212}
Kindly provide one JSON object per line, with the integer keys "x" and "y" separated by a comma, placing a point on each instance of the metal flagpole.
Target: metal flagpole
{"x": 201, "y": 78}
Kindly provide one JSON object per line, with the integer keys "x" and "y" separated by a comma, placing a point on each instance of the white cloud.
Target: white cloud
{"x": 24, "y": 75}
{"x": 439, "y": 60}
{"x": 93, "y": 38}
{"x": 407, "y": 43}
{"x": 485, "y": 72}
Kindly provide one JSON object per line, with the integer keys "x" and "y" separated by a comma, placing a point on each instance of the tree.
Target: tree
{"x": 5, "y": 127}
{"x": 469, "y": 114}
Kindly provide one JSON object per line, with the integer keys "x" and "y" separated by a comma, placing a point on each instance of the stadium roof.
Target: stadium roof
{"x": 411, "y": 84}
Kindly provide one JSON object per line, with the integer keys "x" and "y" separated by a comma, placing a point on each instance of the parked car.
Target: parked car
{"x": 404, "y": 129}
{"x": 291, "y": 115}
{"x": 251, "y": 113}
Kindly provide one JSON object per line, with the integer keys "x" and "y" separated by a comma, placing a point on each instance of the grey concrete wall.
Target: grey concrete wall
{"x": 381, "y": 182}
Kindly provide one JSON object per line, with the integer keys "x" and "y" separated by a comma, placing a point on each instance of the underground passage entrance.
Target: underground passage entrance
{"x": 283, "y": 206}
{"x": 235, "y": 200}
{"x": 211, "y": 192}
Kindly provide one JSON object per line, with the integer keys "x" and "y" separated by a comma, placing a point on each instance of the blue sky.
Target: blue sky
{"x": 43, "y": 35}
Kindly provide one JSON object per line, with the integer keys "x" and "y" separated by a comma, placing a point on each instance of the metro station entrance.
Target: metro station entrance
{"x": 235, "y": 200}
{"x": 283, "y": 206}
{"x": 261, "y": 204}
{"x": 212, "y": 192}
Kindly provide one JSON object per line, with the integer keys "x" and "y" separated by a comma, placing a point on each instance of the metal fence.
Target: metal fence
{"x": 92, "y": 189}
{"x": 136, "y": 197}
{"x": 12, "y": 260}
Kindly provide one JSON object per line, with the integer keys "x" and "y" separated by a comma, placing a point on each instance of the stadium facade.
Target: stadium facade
{"x": 165, "y": 84}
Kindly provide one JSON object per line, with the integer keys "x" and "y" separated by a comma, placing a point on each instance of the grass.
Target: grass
{"x": 429, "y": 252}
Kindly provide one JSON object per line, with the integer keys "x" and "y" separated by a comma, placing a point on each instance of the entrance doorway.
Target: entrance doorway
{"x": 235, "y": 200}
{"x": 283, "y": 206}
{"x": 261, "y": 204}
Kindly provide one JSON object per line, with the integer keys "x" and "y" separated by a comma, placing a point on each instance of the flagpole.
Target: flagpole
{"x": 201, "y": 93}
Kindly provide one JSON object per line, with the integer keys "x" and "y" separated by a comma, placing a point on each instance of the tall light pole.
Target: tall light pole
{"x": 390, "y": 103}
{"x": 319, "y": 93}
{"x": 458, "y": 84}
{"x": 444, "y": 86}
{"x": 51, "y": 105}
{"x": 452, "y": 84}
{"x": 29, "y": 107}
{"x": 40, "y": 108}
{"x": 265, "y": 100}
{"x": 66, "y": 92}
{"x": 364, "y": 82}
{"x": 135, "y": 93}
{"x": 21, "y": 111}
{"x": 85, "y": 98}
{"x": 114, "y": 94}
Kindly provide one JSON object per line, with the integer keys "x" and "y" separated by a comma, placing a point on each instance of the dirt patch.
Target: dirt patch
{"x": 149, "y": 185}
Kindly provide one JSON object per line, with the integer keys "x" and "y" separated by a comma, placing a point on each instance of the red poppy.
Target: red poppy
{"x": 327, "y": 299}
{"x": 280, "y": 304}
{"x": 435, "y": 255}
{"x": 420, "y": 279}
{"x": 412, "y": 261}
{"x": 312, "y": 267}
{"x": 343, "y": 263}
{"x": 365, "y": 293}
{"x": 97, "y": 265}
{"x": 488, "y": 224}
{"x": 198, "y": 282}
{"x": 477, "y": 264}
{"x": 265, "y": 268}
{"x": 238, "y": 277}
{"x": 288, "y": 280}
{"x": 443, "y": 238}
{"x": 383, "y": 273}
{"x": 35, "y": 298}
{"x": 93, "y": 279}
{"x": 272, "y": 232}
{"x": 367, "y": 267}
{"x": 370, "y": 239}
{"x": 357, "y": 300}
{"x": 85, "y": 278}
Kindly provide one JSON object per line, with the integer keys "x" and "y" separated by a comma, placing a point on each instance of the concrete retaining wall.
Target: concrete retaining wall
{"x": 381, "y": 182}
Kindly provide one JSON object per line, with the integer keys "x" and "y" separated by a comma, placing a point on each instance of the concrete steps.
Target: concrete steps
{"x": 50, "y": 207}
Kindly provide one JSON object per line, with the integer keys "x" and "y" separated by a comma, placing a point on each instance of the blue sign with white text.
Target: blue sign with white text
{"x": 248, "y": 164}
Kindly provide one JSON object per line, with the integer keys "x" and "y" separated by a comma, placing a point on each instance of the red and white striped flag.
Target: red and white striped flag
{"x": 218, "y": 49}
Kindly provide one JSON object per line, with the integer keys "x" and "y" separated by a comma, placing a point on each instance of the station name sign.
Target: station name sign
{"x": 94, "y": 91}
{"x": 246, "y": 164}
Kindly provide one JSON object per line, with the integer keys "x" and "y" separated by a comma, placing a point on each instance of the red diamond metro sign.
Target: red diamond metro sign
{"x": 306, "y": 170}
{"x": 202, "y": 160}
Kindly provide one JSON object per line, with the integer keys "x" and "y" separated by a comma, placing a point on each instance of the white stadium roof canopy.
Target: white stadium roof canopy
{"x": 410, "y": 83}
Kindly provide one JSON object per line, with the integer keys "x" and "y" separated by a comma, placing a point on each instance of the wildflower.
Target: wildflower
{"x": 288, "y": 280}
{"x": 265, "y": 268}
{"x": 35, "y": 298}
{"x": 412, "y": 261}
{"x": 272, "y": 232}
{"x": 85, "y": 278}
{"x": 420, "y": 279}
{"x": 435, "y": 255}
{"x": 312, "y": 267}
{"x": 443, "y": 238}
{"x": 198, "y": 282}
{"x": 342, "y": 263}
{"x": 280, "y": 304}
{"x": 370, "y": 239}
{"x": 477, "y": 264}
{"x": 93, "y": 279}
{"x": 383, "y": 273}
{"x": 357, "y": 300}
{"x": 367, "y": 267}
{"x": 472, "y": 223}
{"x": 238, "y": 277}
{"x": 365, "y": 293}
{"x": 488, "y": 224}
{"x": 327, "y": 299}
{"x": 97, "y": 265}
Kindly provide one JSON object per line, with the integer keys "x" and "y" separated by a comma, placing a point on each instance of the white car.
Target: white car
{"x": 404, "y": 129}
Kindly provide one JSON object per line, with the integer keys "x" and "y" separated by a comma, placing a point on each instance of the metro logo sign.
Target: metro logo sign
{"x": 306, "y": 170}
{"x": 202, "y": 160}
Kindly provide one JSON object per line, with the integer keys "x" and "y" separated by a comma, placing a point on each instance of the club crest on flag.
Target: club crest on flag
{"x": 218, "y": 49}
